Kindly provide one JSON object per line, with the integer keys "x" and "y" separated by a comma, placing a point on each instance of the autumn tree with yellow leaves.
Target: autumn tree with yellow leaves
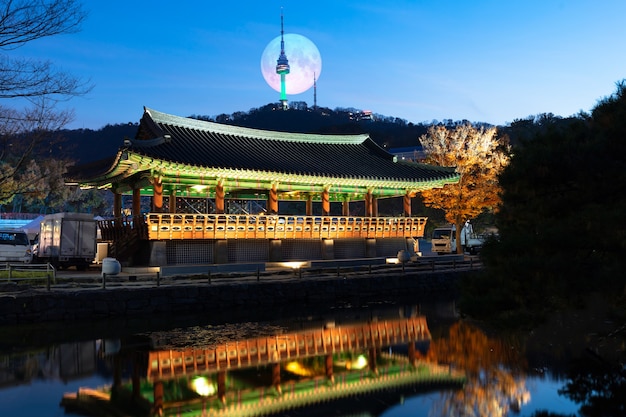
{"x": 479, "y": 156}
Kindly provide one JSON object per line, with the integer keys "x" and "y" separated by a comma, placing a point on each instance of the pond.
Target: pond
{"x": 386, "y": 359}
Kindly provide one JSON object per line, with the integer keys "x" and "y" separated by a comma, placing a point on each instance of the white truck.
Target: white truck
{"x": 67, "y": 239}
{"x": 444, "y": 240}
{"x": 15, "y": 246}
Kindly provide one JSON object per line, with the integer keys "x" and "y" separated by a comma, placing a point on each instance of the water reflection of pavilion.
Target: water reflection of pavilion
{"x": 263, "y": 375}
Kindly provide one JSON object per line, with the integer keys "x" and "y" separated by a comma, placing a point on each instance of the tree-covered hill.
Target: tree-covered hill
{"x": 86, "y": 145}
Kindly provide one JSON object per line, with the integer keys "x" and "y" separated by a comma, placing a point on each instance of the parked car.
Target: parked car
{"x": 15, "y": 246}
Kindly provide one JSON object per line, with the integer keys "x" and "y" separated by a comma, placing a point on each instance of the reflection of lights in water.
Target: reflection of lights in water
{"x": 296, "y": 368}
{"x": 201, "y": 386}
{"x": 359, "y": 363}
{"x": 520, "y": 399}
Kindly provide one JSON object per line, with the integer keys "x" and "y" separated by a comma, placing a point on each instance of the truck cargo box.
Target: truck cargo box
{"x": 68, "y": 239}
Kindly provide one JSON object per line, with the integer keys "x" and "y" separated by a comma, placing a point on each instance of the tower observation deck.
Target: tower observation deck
{"x": 282, "y": 65}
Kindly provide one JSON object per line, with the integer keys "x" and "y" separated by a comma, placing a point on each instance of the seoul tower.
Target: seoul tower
{"x": 282, "y": 65}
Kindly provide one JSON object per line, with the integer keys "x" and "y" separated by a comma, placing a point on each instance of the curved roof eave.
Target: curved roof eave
{"x": 101, "y": 174}
{"x": 169, "y": 119}
{"x": 169, "y": 168}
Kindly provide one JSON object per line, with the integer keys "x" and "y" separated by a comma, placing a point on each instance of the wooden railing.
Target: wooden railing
{"x": 124, "y": 235}
{"x": 169, "y": 364}
{"x": 166, "y": 226}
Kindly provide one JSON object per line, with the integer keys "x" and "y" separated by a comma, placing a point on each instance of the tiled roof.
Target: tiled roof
{"x": 91, "y": 169}
{"x": 212, "y": 145}
{"x": 187, "y": 152}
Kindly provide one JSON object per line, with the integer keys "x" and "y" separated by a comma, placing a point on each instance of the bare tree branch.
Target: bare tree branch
{"x": 23, "y": 21}
{"x": 24, "y": 132}
{"x": 26, "y": 78}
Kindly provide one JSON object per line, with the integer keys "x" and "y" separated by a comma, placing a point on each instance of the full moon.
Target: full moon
{"x": 305, "y": 63}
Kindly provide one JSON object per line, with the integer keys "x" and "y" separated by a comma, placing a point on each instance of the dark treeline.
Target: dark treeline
{"x": 86, "y": 145}
{"x": 387, "y": 131}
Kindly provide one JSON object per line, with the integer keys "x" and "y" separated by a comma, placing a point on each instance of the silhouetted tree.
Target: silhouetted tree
{"x": 598, "y": 385}
{"x": 561, "y": 219}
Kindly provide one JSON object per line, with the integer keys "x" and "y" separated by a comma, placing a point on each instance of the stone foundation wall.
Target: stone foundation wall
{"x": 180, "y": 252}
{"x": 37, "y": 306}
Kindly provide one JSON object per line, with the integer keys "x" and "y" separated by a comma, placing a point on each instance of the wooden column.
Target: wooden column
{"x": 272, "y": 200}
{"x": 157, "y": 195}
{"x": 219, "y": 198}
{"x": 158, "y": 391}
{"x": 136, "y": 202}
{"x": 325, "y": 202}
{"x": 173, "y": 203}
{"x": 276, "y": 376}
{"x": 117, "y": 205}
{"x": 406, "y": 200}
{"x": 345, "y": 206}
{"x": 371, "y": 360}
{"x": 412, "y": 353}
{"x": 221, "y": 386}
{"x": 309, "y": 205}
{"x": 329, "y": 368}
{"x": 368, "y": 204}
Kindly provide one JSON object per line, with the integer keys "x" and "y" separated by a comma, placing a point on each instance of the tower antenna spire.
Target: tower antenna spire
{"x": 282, "y": 64}
{"x": 314, "y": 92}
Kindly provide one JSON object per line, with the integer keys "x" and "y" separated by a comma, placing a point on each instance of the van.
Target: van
{"x": 15, "y": 246}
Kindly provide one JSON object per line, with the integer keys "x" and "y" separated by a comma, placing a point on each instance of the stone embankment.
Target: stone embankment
{"x": 191, "y": 295}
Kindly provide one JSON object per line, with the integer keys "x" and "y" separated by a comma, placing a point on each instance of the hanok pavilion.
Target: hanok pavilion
{"x": 216, "y": 192}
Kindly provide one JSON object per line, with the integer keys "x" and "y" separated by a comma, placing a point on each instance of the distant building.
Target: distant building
{"x": 408, "y": 153}
{"x": 363, "y": 115}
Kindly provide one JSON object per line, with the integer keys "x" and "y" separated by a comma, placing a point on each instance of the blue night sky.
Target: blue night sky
{"x": 488, "y": 61}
